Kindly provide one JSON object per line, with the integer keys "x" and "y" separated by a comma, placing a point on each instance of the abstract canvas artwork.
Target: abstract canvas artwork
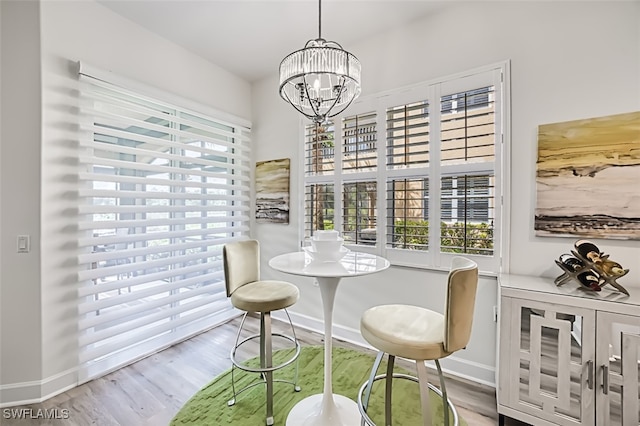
{"x": 588, "y": 178}
{"x": 272, "y": 191}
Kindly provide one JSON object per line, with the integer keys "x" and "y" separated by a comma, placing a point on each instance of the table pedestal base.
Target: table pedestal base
{"x": 313, "y": 411}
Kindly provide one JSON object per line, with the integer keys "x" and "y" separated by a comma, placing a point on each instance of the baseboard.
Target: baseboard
{"x": 37, "y": 391}
{"x": 20, "y": 393}
{"x": 452, "y": 365}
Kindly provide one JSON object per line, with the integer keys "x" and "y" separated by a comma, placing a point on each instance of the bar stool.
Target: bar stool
{"x": 250, "y": 294}
{"x": 421, "y": 334}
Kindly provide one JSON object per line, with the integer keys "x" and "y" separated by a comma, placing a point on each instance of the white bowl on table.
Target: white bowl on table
{"x": 328, "y": 255}
{"x": 324, "y": 246}
{"x": 326, "y": 234}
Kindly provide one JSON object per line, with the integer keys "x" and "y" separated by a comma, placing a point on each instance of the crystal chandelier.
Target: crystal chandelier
{"x": 321, "y": 80}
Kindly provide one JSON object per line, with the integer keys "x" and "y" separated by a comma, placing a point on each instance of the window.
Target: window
{"x": 319, "y": 149}
{"x": 408, "y": 213}
{"x": 319, "y": 162}
{"x": 467, "y": 216}
{"x": 435, "y": 178}
{"x": 360, "y": 211}
{"x": 319, "y": 208}
{"x": 162, "y": 190}
{"x": 359, "y": 141}
{"x": 408, "y": 135}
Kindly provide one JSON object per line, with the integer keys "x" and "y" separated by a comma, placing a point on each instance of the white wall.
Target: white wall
{"x": 20, "y": 319}
{"x": 569, "y": 60}
{"x": 39, "y": 315}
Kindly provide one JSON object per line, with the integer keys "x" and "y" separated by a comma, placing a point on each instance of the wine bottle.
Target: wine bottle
{"x": 570, "y": 262}
{"x": 609, "y": 267}
{"x": 589, "y": 280}
{"x": 588, "y": 250}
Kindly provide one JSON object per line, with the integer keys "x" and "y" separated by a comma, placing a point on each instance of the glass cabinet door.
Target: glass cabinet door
{"x": 552, "y": 362}
{"x": 618, "y": 369}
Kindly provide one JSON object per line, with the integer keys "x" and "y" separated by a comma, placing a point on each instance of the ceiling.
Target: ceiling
{"x": 249, "y": 38}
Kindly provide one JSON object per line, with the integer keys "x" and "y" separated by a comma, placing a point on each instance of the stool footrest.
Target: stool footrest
{"x": 363, "y": 410}
{"x": 262, "y": 381}
{"x": 241, "y": 366}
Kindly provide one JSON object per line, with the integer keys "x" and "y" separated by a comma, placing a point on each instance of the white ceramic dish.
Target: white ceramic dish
{"x": 322, "y": 246}
{"x": 329, "y": 234}
{"x": 326, "y": 256}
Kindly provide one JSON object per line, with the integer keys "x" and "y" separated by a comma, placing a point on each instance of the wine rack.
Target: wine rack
{"x": 590, "y": 266}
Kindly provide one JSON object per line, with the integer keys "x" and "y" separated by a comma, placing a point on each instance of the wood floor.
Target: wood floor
{"x": 151, "y": 391}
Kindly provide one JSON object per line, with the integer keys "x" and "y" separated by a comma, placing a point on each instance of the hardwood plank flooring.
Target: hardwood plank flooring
{"x": 151, "y": 391}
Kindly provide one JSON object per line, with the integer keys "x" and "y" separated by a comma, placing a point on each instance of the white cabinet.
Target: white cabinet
{"x": 567, "y": 356}
{"x": 618, "y": 356}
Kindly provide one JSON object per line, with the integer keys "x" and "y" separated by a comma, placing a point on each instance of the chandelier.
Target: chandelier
{"x": 321, "y": 80}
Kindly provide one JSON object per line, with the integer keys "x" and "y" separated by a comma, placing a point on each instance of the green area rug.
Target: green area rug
{"x": 350, "y": 369}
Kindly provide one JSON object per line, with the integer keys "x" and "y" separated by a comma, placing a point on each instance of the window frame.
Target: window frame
{"x": 497, "y": 74}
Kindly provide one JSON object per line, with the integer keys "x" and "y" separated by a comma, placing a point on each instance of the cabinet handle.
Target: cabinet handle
{"x": 590, "y": 374}
{"x": 605, "y": 379}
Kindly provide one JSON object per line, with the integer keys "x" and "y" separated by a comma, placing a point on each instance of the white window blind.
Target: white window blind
{"x": 162, "y": 189}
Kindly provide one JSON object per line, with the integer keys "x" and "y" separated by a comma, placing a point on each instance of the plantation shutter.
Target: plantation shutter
{"x": 319, "y": 208}
{"x": 408, "y": 188}
{"x": 433, "y": 188}
{"x": 319, "y": 149}
{"x": 320, "y": 168}
{"x": 359, "y": 143}
{"x": 467, "y": 185}
{"x": 162, "y": 189}
{"x": 359, "y": 197}
{"x": 408, "y": 135}
{"x": 359, "y": 212}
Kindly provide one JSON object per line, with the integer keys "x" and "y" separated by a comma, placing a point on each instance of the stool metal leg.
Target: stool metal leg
{"x": 364, "y": 394}
{"x": 423, "y": 380}
{"x": 295, "y": 338}
{"x": 233, "y": 366}
{"x": 233, "y": 387}
{"x": 445, "y": 405}
{"x": 388, "y": 388}
{"x": 266, "y": 368}
{"x": 364, "y": 402}
{"x": 266, "y": 361}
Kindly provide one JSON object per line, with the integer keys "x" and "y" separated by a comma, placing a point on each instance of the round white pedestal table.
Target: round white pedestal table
{"x": 327, "y": 408}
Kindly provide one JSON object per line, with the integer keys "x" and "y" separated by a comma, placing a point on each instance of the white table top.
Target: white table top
{"x": 351, "y": 265}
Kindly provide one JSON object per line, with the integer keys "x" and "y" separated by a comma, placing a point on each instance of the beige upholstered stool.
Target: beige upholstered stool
{"x": 420, "y": 334}
{"x": 250, "y": 294}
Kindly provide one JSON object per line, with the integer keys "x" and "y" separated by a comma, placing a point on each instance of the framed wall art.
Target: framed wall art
{"x": 272, "y": 191}
{"x": 587, "y": 178}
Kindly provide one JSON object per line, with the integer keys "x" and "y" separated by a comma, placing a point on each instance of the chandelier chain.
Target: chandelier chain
{"x": 319, "y": 19}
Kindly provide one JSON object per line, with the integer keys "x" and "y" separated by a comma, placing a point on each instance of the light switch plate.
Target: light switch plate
{"x": 24, "y": 244}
